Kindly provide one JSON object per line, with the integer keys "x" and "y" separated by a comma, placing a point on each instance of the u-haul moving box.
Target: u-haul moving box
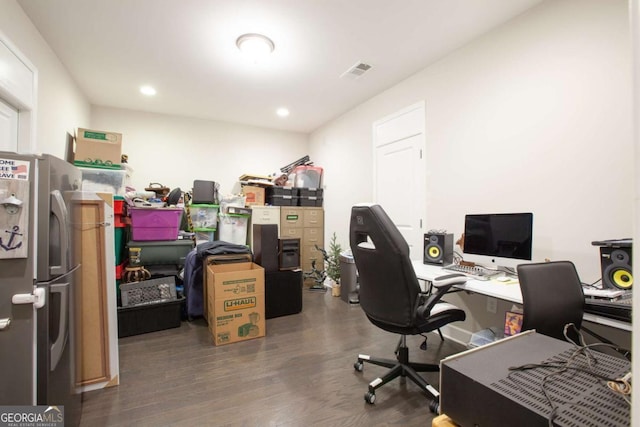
{"x": 235, "y": 302}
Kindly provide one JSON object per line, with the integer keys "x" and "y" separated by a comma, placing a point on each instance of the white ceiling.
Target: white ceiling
{"x": 186, "y": 50}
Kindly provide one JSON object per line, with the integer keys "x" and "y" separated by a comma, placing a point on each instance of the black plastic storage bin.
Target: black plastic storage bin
{"x": 142, "y": 319}
{"x": 310, "y": 197}
{"x": 159, "y": 252}
{"x": 282, "y": 196}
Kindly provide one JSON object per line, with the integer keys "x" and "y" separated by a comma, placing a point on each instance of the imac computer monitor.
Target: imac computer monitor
{"x": 498, "y": 240}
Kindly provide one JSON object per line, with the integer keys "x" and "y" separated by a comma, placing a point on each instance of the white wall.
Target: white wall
{"x": 534, "y": 116}
{"x": 61, "y": 106}
{"x": 175, "y": 151}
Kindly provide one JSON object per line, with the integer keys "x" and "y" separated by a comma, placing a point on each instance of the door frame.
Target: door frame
{"x": 25, "y": 100}
{"x": 9, "y": 115}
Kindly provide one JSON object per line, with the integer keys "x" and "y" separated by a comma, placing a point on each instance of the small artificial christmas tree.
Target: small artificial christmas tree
{"x": 332, "y": 259}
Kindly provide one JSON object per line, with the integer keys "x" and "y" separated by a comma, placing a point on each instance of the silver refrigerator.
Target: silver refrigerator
{"x": 39, "y": 284}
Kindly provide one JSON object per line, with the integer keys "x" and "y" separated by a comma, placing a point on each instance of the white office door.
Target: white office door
{"x": 399, "y": 172}
{"x": 8, "y": 127}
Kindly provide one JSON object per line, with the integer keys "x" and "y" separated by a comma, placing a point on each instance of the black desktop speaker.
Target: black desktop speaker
{"x": 616, "y": 267}
{"x": 438, "y": 248}
{"x": 265, "y": 246}
{"x": 204, "y": 192}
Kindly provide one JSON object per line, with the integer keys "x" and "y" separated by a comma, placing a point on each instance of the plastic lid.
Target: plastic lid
{"x": 347, "y": 256}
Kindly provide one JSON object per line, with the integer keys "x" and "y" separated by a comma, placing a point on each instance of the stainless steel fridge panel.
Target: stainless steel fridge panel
{"x": 17, "y": 354}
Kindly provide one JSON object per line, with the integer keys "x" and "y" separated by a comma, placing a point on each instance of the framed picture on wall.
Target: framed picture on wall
{"x": 512, "y": 323}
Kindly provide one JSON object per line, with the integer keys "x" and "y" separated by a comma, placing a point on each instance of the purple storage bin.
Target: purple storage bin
{"x": 155, "y": 223}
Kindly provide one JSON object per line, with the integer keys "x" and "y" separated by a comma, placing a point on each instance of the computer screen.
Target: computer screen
{"x": 502, "y": 239}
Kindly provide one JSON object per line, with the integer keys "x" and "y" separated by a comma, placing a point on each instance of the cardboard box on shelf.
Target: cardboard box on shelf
{"x": 98, "y": 148}
{"x": 235, "y": 302}
{"x": 255, "y": 195}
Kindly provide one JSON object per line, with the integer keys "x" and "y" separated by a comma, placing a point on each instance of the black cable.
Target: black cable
{"x": 508, "y": 270}
{"x": 581, "y": 349}
{"x": 592, "y": 285}
{"x": 423, "y": 344}
{"x": 563, "y": 368}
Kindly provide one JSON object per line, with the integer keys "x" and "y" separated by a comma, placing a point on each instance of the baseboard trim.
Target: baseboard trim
{"x": 456, "y": 334}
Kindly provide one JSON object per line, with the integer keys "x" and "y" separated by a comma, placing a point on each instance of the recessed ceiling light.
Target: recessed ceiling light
{"x": 282, "y": 112}
{"x": 147, "y": 90}
{"x": 255, "y": 45}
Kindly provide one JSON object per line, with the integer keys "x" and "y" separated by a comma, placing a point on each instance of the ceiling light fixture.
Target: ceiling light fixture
{"x": 255, "y": 45}
{"x": 147, "y": 90}
{"x": 282, "y": 112}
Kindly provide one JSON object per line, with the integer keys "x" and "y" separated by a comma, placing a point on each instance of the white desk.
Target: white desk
{"x": 506, "y": 292}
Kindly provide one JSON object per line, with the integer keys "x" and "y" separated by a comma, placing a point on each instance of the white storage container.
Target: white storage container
{"x": 232, "y": 228}
{"x": 204, "y": 217}
{"x": 308, "y": 176}
{"x": 235, "y": 200}
{"x": 204, "y": 236}
{"x": 105, "y": 180}
{"x": 485, "y": 336}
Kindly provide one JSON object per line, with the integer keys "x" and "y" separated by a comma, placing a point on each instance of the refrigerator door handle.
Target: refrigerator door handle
{"x": 57, "y": 347}
{"x": 59, "y": 211}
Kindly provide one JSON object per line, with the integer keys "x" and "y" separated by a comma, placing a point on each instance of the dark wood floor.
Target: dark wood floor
{"x": 300, "y": 374}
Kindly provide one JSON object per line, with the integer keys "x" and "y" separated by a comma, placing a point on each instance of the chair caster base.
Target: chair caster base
{"x": 434, "y": 406}
{"x": 370, "y": 397}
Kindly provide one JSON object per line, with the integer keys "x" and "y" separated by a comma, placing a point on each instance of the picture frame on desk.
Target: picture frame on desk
{"x": 512, "y": 323}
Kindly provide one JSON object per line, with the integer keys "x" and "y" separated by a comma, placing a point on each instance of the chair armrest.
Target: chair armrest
{"x": 448, "y": 280}
{"x": 442, "y": 284}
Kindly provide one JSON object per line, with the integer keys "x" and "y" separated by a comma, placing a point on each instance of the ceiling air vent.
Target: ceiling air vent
{"x": 357, "y": 70}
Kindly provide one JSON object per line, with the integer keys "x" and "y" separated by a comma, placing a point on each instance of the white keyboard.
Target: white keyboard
{"x": 602, "y": 293}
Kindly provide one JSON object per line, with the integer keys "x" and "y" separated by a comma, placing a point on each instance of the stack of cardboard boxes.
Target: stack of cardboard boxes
{"x": 98, "y": 155}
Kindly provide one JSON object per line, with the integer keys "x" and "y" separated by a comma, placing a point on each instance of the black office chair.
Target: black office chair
{"x": 391, "y": 297}
{"x": 552, "y": 297}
